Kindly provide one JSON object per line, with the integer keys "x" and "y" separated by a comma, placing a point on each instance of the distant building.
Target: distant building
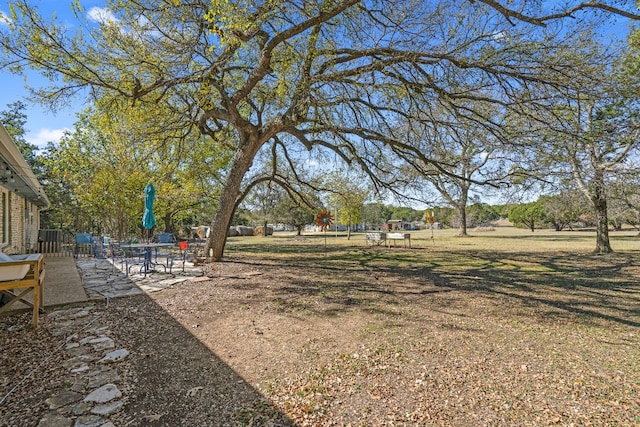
{"x": 21, "y": 200}
{"x": 398, "y": 224}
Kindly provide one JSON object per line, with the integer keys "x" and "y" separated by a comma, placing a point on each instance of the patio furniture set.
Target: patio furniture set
{"x": 140, "y": 257}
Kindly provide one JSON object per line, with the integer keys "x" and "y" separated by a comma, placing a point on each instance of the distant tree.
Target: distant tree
{"x": 444, "y": 215}
{"x": 560, "y": 210}
{"x": 527, "y": 215}
{"x": 624, "y": 201}
{"x": 106, "y": 164}
{"x": 406, "y": 213}
{"x": 348, "y": 195}
{"x": 262, "y": 202}
{"x": 14, "y": 120}
{"x": 296, "y": 214}
{"x": 461, "y": 152}
{"x": 242, "y": 216}
{"x": 481, "y": 214}
{"x": 588, "y": 132}
{"x": 374, "y": 215}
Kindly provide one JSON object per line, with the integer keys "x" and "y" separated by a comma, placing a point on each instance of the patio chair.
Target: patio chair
{"x": 165, "y": 238}
{"x": 97, "y": 245}
{"x": 126, "y": 258}
{"x": 167, "y": 253}
{"x": 180, "y": 253}
{"x": 84, "y": 244}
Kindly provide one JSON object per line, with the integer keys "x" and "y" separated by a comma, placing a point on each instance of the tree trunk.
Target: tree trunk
{"x": 461, "y": 205}
{"x": 602, "y": 224}
{"x": 265, "y": 232}
{"x": 349, "y": 231}
{"x": 227, "y": 204}
{"x": 167, "y": 222}
{"x": 462, "y": 212}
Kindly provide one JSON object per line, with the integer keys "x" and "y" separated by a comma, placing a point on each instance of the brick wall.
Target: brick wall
{"x": 23, "y": 226}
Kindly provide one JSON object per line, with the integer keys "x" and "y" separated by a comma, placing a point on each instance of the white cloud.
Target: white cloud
{"x": 44, "y": 136}
{"x": 102, "y": 15}
{"x": 4, "y": 18}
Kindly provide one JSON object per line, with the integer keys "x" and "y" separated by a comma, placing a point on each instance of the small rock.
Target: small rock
{"x": 79, "y": 369}
{"x": 102, "y": 378}
{"x": 115, "y": 356}
{"x": 81, "y": 408}
{"x": 80, "y": 384}
{"x": 193, "y": 391}
{"x": 102, "y": 343}
{"x": 87, "y": 339}
{"x": 104, "y": 394}
{"x": 62, "y": 399}
{"x": 107, "y": 409}
{"x": 53, "y": 420}
{"x": 90, "y": 421}
{"x": 78, "y": 351}
{"x": 78, "y": 361}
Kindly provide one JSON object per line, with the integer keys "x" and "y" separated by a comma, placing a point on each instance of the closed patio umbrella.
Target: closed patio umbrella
{"x": 148, "y": 220}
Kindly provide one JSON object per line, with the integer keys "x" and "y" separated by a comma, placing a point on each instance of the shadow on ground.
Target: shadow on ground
{"x": 169, "y": 378}
{"x": 592, "y": 287}
{"x": 178, "y": 380}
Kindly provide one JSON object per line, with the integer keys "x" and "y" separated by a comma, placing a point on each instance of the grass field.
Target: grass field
{"x": 505, "y": 238}
{"x": 506, "y": 327}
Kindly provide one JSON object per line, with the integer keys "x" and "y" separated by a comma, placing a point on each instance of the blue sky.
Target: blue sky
{"x": 42, "y": 125}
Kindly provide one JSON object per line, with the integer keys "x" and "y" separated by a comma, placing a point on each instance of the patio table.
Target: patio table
{"x": 148, "y": 249}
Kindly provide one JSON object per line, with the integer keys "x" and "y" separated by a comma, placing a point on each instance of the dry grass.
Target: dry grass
{"x": 500, "y": 329}
{"x": 504, "y": 328}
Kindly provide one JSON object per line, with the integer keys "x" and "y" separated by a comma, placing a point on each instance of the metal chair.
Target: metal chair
{"x": 168, "y": 255}
{"x": 84, "y": 243}
{"x": 182, "y": 253}
{"x": 164, "y": 238}
{"x": 126, "y": 258}
{"x": 97, "y": 245}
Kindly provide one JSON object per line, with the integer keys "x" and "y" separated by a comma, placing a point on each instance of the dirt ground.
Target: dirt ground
{"x": 269, "y": 342}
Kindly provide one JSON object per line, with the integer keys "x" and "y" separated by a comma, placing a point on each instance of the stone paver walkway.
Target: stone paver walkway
{"x": 91, "y": 362}
{"x": 91, "y": 359}
{"x": 102, "y": 278}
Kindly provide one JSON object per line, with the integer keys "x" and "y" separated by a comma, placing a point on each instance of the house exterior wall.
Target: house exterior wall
{"x": 22, "y": 198}
{"x": 19, "y": 223}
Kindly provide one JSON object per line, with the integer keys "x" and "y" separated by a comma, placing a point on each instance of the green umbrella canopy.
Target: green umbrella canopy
{"x": 148, "y": 220}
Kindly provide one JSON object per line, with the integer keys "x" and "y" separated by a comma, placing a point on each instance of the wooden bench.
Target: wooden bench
{"x": 24, "y": 274}
{"x": 375, "y": 238}
{"x": 405, "y": 237}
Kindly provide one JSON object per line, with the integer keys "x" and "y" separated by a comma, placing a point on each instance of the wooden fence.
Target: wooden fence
{"x": 56, "y": 243}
